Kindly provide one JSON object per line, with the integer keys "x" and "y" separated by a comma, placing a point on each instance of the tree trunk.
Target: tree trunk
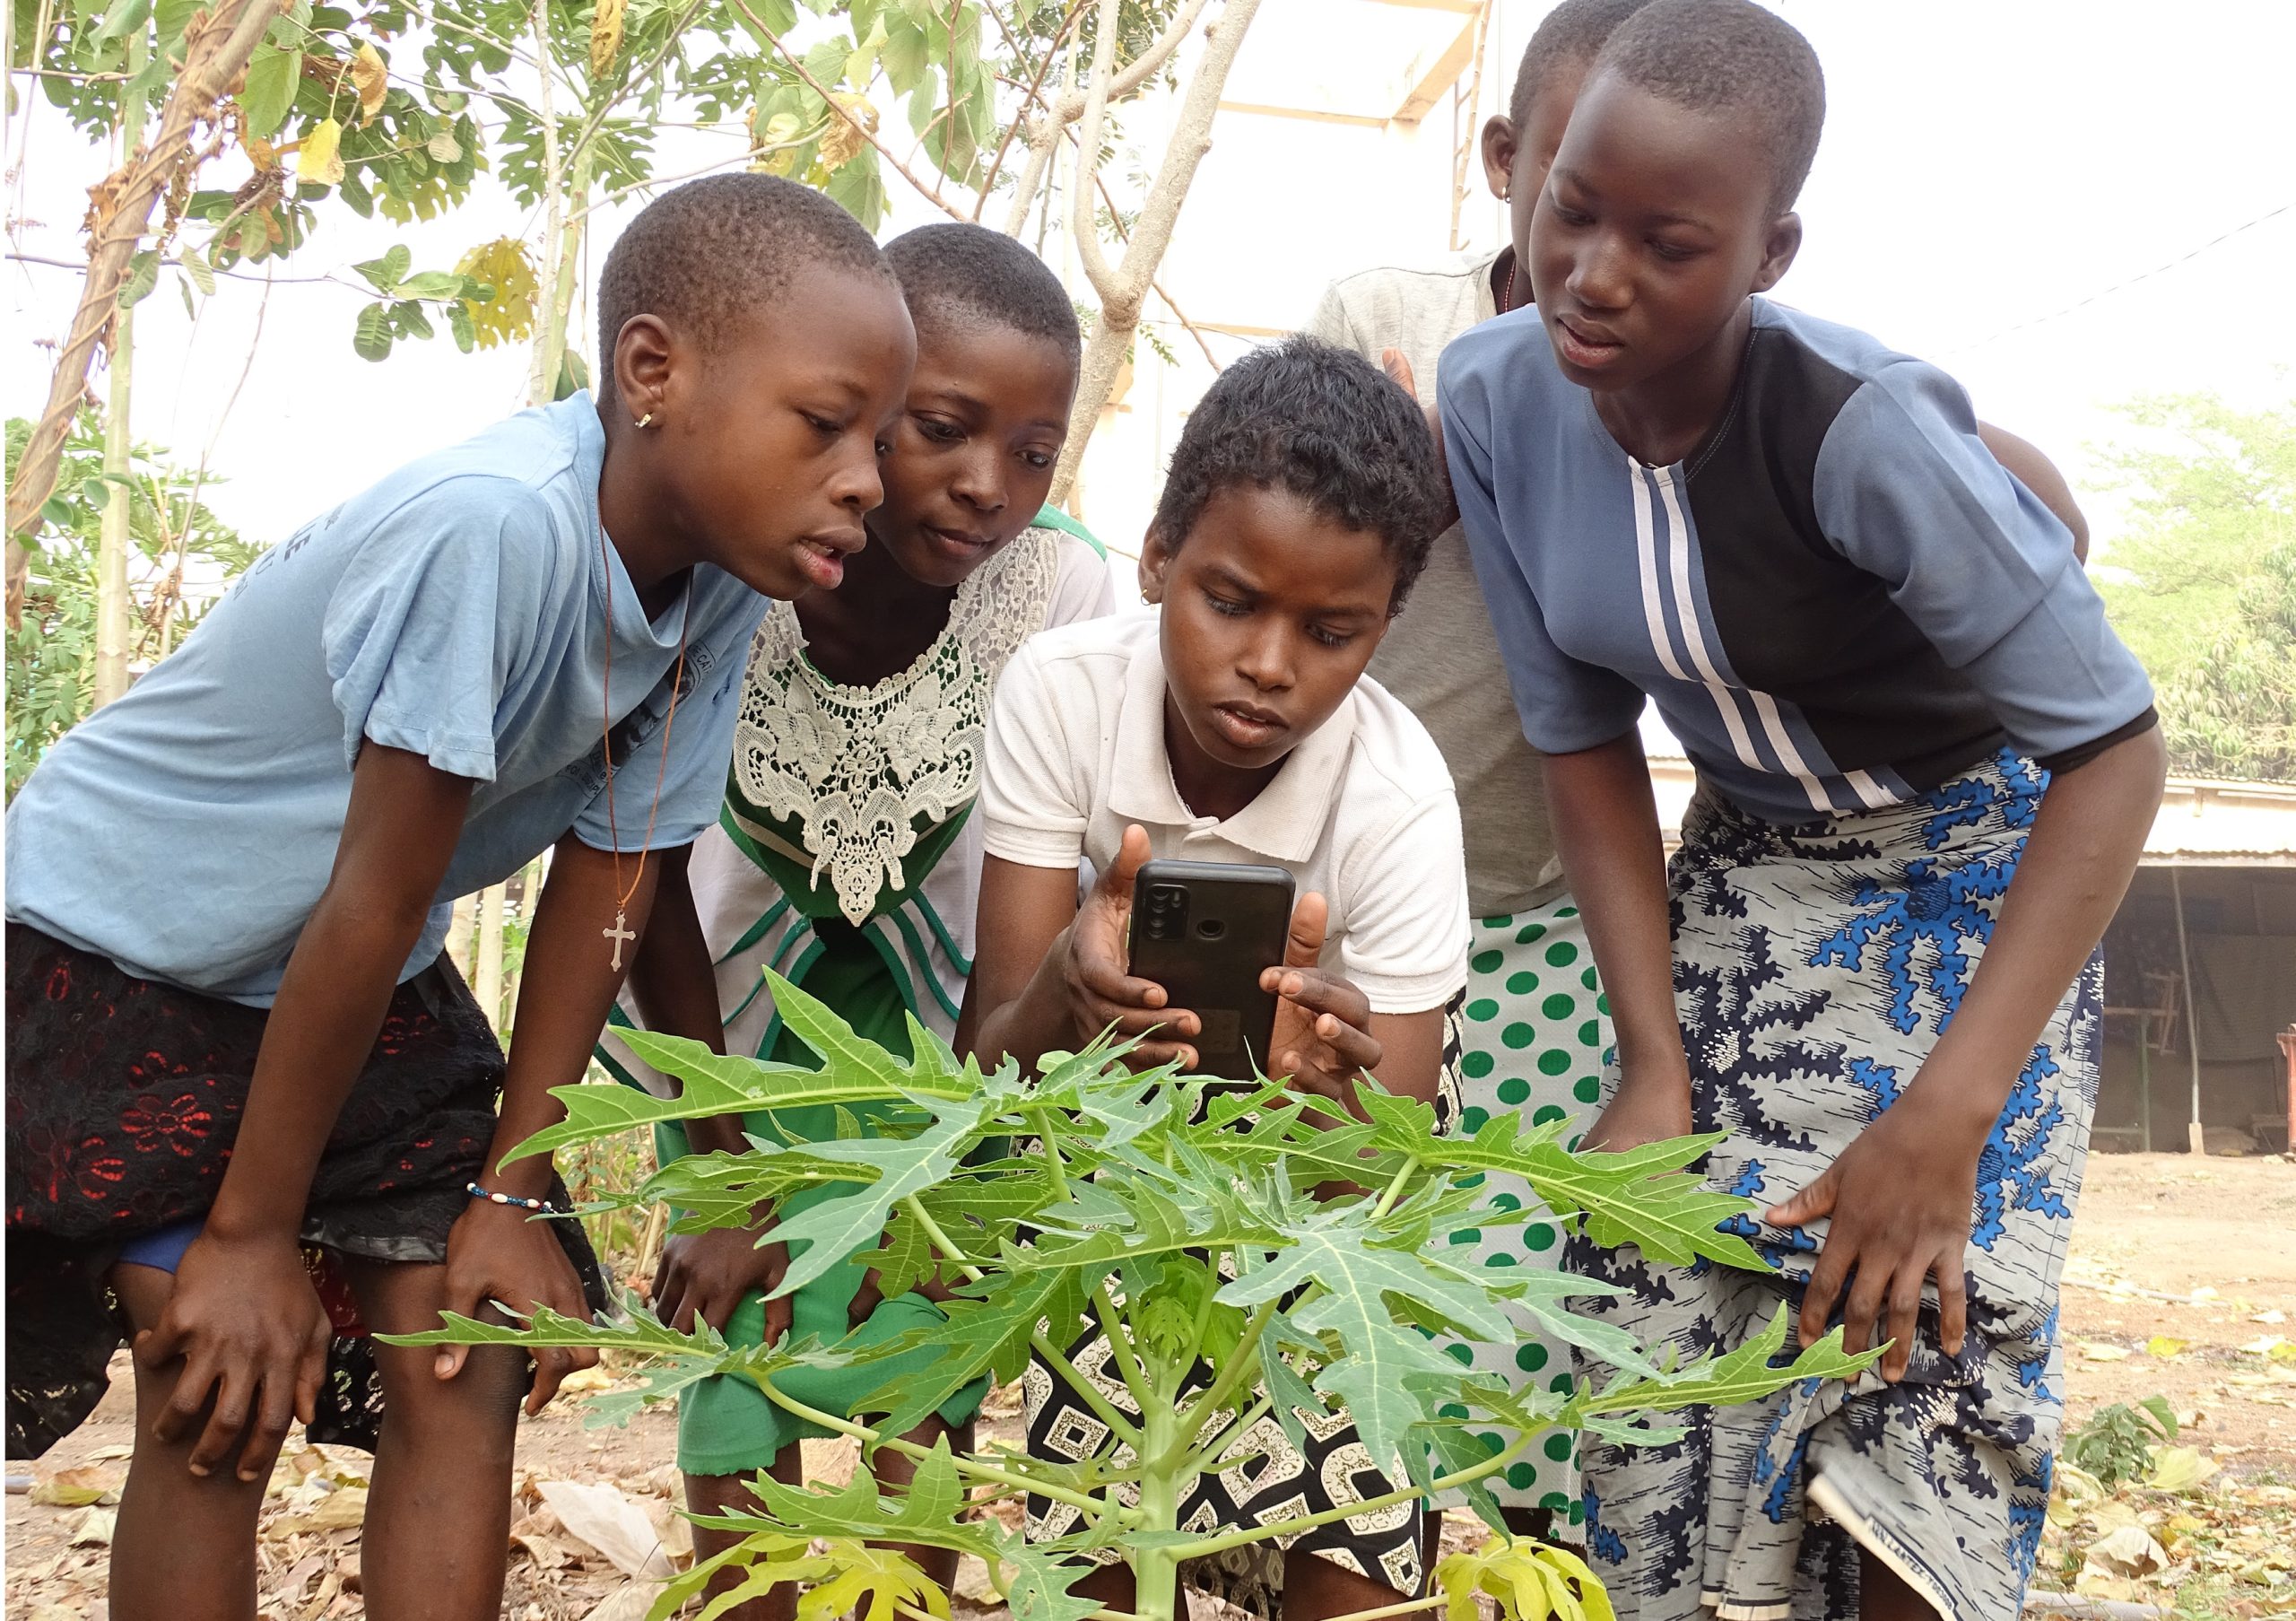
{"x": 114, "y": 608}
{"x": 489, "y": 987}
{"x": 215, "y": 57}
{"x": 1123, "y": 288}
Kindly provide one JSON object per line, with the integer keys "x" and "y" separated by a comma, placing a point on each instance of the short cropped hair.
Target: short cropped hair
{"x": 1325, "y": 425}
{"x": 707, "y": 255}
{"x": 958, "y": 273}
{"x": 1570, "y": 35}
{"x": 1730, "y": 56}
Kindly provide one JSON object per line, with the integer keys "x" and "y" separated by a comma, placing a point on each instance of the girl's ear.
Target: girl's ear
{"x": 643, "y": 362}
{"x": 1500, "y": 142}
{"x": 1778, "y": 252}
{"x": 1155, "y": 558}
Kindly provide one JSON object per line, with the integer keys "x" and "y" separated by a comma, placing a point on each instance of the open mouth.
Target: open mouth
{"x": 1584, "y": 347}
{"x": 821, "y": 558}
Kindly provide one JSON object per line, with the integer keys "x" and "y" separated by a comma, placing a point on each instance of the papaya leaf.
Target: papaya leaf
{"x": 844, "y": 1222}
{"x": 1748, "y": 1374}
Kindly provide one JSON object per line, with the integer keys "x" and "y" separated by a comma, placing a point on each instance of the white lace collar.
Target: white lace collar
{"x": 857, "y": 767}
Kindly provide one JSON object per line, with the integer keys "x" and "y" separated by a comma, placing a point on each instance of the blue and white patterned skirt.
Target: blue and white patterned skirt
{"x": 1815, "y": 969}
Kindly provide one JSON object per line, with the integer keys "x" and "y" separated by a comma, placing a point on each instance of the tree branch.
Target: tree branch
{"x": 215, "y": 56}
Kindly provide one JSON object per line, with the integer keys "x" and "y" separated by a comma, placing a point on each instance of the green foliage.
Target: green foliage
{"x": 2203, "y": 585}
{"x": 2115, "y": 1445}
{"x": 1181, "y": 1215}
{"x": 52, "y": 654}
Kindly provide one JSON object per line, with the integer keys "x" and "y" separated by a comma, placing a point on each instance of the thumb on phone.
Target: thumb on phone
{"x": 1131, "y": 856}
{"x": 1303, "y": 945}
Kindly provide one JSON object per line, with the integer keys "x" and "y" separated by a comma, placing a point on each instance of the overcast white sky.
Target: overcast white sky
{"x": 1988, "y": 166}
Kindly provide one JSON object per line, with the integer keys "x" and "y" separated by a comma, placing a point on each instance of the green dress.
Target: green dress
{"x": 847, "y": 860}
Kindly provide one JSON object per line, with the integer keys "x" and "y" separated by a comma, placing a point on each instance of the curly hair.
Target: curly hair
{"x": 704, "y": 255}
{"x": 954, "y": 272}
{"x": 1730, "y": 56}
{"x": 1329, "y": 427}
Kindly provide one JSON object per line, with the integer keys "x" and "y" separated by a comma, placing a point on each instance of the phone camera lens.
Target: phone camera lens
{"x": 1211, "y": 928}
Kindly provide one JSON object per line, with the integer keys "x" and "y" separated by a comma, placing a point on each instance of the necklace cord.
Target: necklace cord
{"x": 661, "y": 774}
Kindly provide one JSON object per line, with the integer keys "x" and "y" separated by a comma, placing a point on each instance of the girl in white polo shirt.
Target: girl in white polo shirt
{"x": 1238, "y": 725}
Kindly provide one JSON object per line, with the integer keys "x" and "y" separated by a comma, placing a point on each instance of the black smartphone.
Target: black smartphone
{"x": 1206, "y": 931}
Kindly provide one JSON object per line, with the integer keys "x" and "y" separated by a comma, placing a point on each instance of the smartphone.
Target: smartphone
{"x": 1206, "y": 931}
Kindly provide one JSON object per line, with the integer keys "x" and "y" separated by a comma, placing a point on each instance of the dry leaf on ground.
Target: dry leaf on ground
{"x": 609, "y": 1521}
{"x": 77, "y": 1488}
{"x": 629, "y": 1602}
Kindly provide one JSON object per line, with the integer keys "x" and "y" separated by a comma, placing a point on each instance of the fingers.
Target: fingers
{"x": 1952, "y": 1303}
{"x": 1320, "y": 993}
{"x": 1304, "y": 945}
{"x": 1097, "y": 969}
{"x": 1397, "y": 366}
{"x": 273, "y": 1416}
{"x": 225, "y": 1420}
{"x": 1905, "y": 1318}
{"x": 1131, "y": 856}
{"x": 1825, "y": 1287}
{"x": 1868, "y": 1287}
{"x": 1814, "y": 1201}
{"x": 312, "y": 1370}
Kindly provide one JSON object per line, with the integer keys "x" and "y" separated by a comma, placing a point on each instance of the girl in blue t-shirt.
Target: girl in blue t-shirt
{"x": 251, "y": 1104}
{"x": 1926, "y": 770}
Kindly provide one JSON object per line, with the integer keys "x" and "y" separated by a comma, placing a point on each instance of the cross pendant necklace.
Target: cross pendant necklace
{"x": 621, "y": 933}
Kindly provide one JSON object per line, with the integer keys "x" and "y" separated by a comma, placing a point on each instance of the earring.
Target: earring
{"x": 646, "y": 420}
{"x": 1505, "y": 192}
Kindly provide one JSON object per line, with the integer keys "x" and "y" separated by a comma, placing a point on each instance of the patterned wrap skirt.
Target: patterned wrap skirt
{"x": 123, "y": 1099}
{"x": 1815, "y": 969}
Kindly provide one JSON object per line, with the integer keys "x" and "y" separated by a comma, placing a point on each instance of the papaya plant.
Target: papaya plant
{"x": 1180, "y": 1216}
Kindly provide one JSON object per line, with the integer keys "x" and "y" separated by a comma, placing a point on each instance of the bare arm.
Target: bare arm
{"x": 2038, "y": 474}
{"x": 242, "y": 1314}
{"x": 1051, "y": 976}
{"x": 1606, "y": 823}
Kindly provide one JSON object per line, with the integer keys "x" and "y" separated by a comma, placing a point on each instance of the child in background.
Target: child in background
{"x": 1919, "y": 746}
{"x": 1537, "y": 1028}
{"x": 1237, "y": 726}
{"x": 231, "y": 1031}
{"x": 847, "y": 855}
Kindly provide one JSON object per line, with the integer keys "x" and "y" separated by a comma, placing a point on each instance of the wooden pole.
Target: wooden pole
{"x": 2194, "y": 1134}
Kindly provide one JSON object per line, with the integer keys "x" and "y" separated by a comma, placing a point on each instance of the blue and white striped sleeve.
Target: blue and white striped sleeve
{"x": 1904, "y": 489}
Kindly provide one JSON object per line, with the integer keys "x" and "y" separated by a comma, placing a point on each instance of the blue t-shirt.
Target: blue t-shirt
{"x": 455, "y": 610}
{"x": 1838, "y": 601}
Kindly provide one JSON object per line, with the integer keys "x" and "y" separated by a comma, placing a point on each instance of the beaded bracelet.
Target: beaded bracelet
{"x": 540, "y": 1207}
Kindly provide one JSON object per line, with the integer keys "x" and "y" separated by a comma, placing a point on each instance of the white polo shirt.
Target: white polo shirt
{"x": 1362, "y": 812}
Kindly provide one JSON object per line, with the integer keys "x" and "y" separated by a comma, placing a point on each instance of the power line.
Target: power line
{"x": 2105, "y": 293}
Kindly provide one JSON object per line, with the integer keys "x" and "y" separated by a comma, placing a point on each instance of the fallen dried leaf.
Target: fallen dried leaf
{"x": 93, "y": 1528}
{"x": 77, "y": 1488}
{"x": 584, "y": 1381}
{"x": 2166, "y": 1346}
{"x": 629, "y": 1602}
{"x": 342, "y": 1509}
{"x": 602, "y": 1516}
{"x": 2094, "y": 1352}
{"x": 2177, "y": 1468}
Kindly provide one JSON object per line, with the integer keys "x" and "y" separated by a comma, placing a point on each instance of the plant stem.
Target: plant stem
{"x": 1394, "y": 1187}
{"x": 868, "y": 1437}
{"x": 1135, "y": 1378}
{"x": 1199, "y": 1458}
{"x": 1155, "y": 1571}
{"x": 1408, "y": 1606}
{"x": 113, "y": 606}
{"x": 1229, "y": 1377}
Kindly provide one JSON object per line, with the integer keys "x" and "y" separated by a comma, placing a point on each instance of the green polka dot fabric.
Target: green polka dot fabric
{"x": 1537, "y": 1033}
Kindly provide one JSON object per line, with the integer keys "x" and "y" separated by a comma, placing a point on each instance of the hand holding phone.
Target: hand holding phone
{"x": 1096, "y": 983}
{"x": 1322, "y": 1038}
{"x": 1206, "y": 932}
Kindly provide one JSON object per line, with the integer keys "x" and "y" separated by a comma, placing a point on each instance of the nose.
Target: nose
{"x": 978, "y": 482}
{"x": 1266, "y": 658}
{"x": 1599, "y": 278}
{"x": 857, "y": 485}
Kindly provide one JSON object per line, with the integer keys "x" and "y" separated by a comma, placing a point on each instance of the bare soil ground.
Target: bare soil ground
{"x": 2181, "y": 1285}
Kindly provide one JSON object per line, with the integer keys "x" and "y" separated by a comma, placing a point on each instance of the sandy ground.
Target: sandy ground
{"x": 2181, "y": 1284}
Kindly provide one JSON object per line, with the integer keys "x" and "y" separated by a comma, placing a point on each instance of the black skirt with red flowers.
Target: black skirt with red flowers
{"x": 124, "y": 1099}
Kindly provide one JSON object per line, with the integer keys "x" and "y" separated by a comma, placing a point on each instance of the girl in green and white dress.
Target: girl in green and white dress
{"x": 847, "y": 855}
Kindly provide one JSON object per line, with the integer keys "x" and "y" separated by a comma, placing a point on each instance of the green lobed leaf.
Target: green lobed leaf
{"x": 268, "y": 90}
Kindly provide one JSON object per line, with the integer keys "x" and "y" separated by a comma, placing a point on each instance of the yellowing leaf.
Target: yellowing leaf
{"x": 2177, "y": 1468}
{"x": 319, "y": 159}
{"x": 1531, "y": 1581}
{"x": 76, "y": 1488}
{"x": 371, "y": 79}
{"x": 508, "y": 316}
{"x": 606, "y": 35}
{"x": 877, "y": 1577}
{"x": 841, "y": 143}
{"x": 2164, "y": 1346}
